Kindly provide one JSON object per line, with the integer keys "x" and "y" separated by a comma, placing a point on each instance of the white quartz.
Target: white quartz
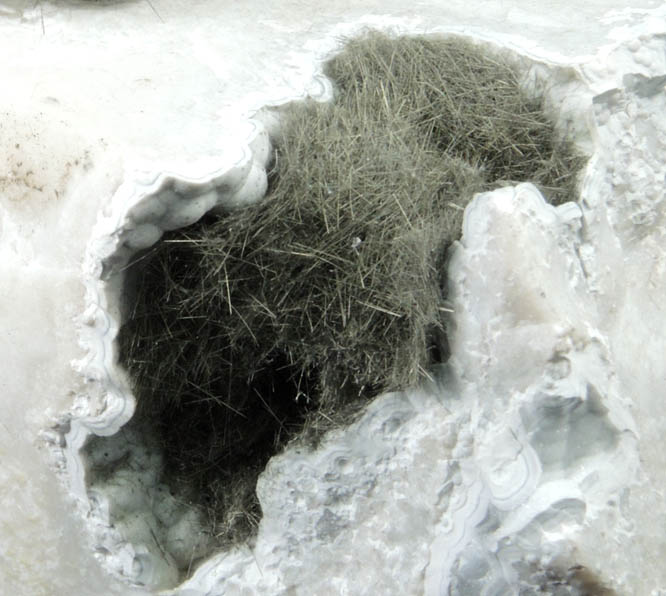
{"x": 539, "y": 447}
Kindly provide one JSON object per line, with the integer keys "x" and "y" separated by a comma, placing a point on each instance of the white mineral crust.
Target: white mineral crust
{"x": 537, "y": 448}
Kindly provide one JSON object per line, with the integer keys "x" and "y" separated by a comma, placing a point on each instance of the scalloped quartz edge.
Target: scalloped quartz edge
{"x": 142, "y": 209}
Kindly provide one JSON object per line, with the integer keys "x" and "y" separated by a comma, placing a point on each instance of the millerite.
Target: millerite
{"x": 279, "y": 321}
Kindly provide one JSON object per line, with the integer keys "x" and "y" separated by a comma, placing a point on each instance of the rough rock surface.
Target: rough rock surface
{"x": 539, "y": 448}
